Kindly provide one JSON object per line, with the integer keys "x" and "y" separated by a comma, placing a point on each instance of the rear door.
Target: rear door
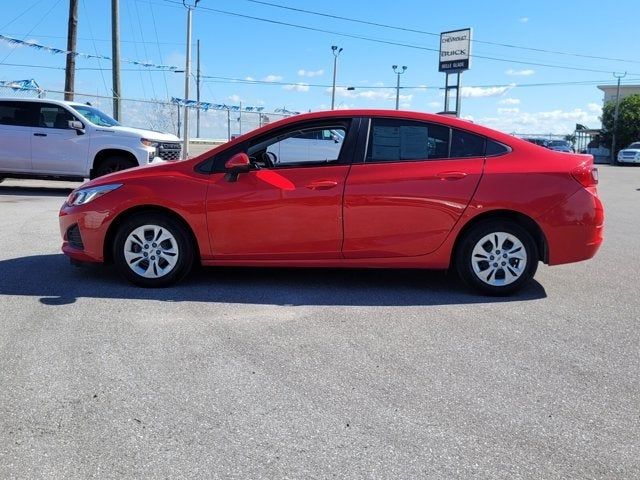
{"x": 412, "y": 187}
{"x": 17, "y": 120}
{"x": 56, "y": 147}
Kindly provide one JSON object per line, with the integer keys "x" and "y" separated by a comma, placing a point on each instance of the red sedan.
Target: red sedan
{"x": 359, "y": 188}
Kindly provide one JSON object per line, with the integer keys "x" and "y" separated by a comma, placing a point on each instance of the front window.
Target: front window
{"x": 314, "y": 145}
{"x": 95, "y": 116}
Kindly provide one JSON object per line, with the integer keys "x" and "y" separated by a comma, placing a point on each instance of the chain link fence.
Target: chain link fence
{"x": 217, "y": 125}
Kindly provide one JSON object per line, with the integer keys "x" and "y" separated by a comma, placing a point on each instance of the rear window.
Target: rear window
{"x": 465, "y": 144}
{"x": 17, "y": 113}
{"x": 405, "y": 140}
{"x": 495, "y": 148}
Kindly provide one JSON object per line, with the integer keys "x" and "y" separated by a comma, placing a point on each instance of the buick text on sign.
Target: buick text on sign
{"x": 455, "y": 49}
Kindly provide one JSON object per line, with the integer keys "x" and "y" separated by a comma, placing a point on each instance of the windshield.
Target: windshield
{"x": 634, "y": 145}
{"x": 95, "y": 116}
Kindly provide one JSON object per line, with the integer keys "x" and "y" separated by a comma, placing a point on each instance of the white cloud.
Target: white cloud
{"x": 310, "y": 73}
{"x": 544, "y": 122}
{"x": 509, "y": 101}
{"x": 523, "y": 19}
{"x": 297, "y": 87}
{"x": 250, "y": 79}
{"x": 435, "y": 104}
{"x": 508, "y": 110}
{"x": 521, "y": 73}
{"x": 272, "y": 78}
{"x": 372, "y": 95}
{"x": 476, "y": 92}
{"x": 595, "y": 108}
{"x": 235, "y": 98}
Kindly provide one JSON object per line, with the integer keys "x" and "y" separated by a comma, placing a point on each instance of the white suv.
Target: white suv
{"x": 72, "y": 141}
{"x": 631, "y": 154}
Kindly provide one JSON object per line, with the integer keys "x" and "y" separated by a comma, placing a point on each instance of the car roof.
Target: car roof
{"x": 40, "y": 100}
{"x": 446, "y": 120}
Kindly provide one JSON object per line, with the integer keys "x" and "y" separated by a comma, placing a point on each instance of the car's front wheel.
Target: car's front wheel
{"x": 497, "y": 257}
{"x": 113, "y": 164}
{"x": 153, "y": 250}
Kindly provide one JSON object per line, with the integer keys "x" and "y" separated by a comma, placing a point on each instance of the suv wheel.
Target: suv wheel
{"x": 497, "y": 257}
{"x": 113, "y": 164}
{"x": 153, "y": 250}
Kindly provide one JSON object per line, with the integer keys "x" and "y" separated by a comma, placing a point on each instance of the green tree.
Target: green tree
{"x": 628, "y": 122}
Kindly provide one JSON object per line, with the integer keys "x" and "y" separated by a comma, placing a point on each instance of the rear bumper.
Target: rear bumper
{"x": 574, "y": 230}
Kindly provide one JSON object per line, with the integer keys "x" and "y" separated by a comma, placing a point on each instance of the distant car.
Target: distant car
{"x": 560, "y": 146}
{"x": 538, "y": 141}
{"x": 631, "y": 154}
{"x": 59, "y": 140}
{"x": 353, "y": 188}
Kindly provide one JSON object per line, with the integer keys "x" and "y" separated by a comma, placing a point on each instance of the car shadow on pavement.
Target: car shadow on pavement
{"x": 57, "y": 282}
{"x": 35, "y": 191}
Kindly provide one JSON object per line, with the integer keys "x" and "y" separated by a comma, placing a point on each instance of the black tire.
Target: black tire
{"x": 503, "y": 267}
{"x": 113, "y": 164}
{"x": 1, "y": 179}
{"x": 165, "y": 224}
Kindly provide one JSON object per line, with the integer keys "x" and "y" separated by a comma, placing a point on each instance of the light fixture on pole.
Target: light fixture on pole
{"x": 615, "y": 117}
{"x": 187, "y": 73}
{"x": 398, "y": 72}
{"x": 336, "y": 51}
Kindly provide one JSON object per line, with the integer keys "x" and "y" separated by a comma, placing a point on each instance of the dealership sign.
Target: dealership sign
{"x": 455, "y": 49}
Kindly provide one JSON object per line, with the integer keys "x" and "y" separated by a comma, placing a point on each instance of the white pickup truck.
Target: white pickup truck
{"x": 52, "y": 139}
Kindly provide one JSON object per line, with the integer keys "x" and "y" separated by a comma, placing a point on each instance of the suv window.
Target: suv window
{"x": 17, "y": 113}
{"x": 393, "y": 140}
{"x": 53, "y": 116}
{"x": 465, "y": 144}
{"x": 314, "y": 145}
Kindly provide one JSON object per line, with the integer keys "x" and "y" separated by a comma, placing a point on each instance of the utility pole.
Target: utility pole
{"x": 615, "y": 118}
{"x": 187, "y": 74}
{"x": 336, "y": 51}
{"x": 72, "y": 35}
{"x": 398, "y": 72}
{"x": 198, "y": 92}
{"x": 115, "y": 57}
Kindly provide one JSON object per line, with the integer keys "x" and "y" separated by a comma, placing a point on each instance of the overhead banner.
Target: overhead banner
{"x": 455, "y": 50}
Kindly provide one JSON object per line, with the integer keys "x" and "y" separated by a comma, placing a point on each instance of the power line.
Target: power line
{"x": 388, "y": 42}
{"x": 423, "y": 32}
{"x": 21, "y": 14}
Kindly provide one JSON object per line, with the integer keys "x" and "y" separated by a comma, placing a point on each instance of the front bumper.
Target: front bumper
{"x": 83, "y": 233}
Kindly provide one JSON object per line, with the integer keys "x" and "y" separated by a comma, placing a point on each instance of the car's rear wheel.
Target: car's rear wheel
{"x": 497, "y": 257}
{"x": 153, "y": 250}
{"x": 113, "y": 164}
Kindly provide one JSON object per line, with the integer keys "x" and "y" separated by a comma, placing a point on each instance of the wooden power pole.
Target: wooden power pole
{"x": 72, "y": 34}
{"x": 115, "y": 57}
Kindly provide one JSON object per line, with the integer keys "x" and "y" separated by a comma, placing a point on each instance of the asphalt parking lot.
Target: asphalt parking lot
{"x": 303, "y": 374}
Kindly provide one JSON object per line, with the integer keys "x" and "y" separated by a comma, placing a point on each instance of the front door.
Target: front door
{"x": 289, "y": 205}
{"x": 58, "y": 149}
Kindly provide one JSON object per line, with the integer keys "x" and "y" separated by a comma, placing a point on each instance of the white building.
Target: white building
{"x": 625, "y": 91}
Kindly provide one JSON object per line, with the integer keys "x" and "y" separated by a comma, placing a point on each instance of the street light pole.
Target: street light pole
{"x": 336, "y": 51}
{"x": 398, "y": 72}
{"x": 615, "y": 117}
{"x": 187, "y": 73}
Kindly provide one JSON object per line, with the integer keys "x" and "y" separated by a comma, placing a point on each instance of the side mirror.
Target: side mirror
{"x": 237, "y": 164}
{"x": 77, "y": 126}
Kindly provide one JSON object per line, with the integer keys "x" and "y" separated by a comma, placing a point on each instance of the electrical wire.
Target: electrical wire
{"x": 95, "y": 49}
{"x": 423, "y": 32}
{"x": 21, "y": 15}
{"x": 387, "y": 42}
{"x": 155, "y": 29}
{"x": 144, "y": 48}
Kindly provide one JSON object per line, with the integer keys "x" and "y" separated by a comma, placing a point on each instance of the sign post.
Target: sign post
{"x": 455, "y": 54}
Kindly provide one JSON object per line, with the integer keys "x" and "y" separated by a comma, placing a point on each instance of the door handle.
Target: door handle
{"x": 451, "y": 175}
{"x": 322, "y": 185}
{"x": 39, "y": 134}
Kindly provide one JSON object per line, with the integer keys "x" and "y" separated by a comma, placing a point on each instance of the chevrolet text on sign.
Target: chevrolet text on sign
{"x": 454, "y": 50}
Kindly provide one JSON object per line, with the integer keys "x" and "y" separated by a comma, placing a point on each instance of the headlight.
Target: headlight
{"x": 86, "y": 195}
{"x": 148, "y": 143}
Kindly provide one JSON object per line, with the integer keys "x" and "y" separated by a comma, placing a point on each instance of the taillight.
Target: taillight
{"x": 586, "y": 175}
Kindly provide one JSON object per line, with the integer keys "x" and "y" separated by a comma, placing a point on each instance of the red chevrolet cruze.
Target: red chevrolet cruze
{"x": 359, "y": 188}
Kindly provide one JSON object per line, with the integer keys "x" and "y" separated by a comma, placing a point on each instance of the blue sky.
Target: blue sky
{"x": 295, "y": 59}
